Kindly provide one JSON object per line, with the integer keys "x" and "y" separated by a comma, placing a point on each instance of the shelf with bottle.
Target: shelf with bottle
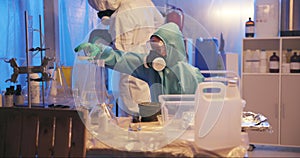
{"x": 257, "y": 53}
{"x": 260, "y": 61}
{"x": 271, "y": 62}
{"x": 290, "y": 63}
{"x": 291, "y": 56}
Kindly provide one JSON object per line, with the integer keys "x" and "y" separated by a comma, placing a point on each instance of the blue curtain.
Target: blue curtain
{"x": 76, "y": 20}
{"x": 12, "y": 30}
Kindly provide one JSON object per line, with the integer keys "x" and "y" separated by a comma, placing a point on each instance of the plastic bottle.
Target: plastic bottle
{"x": 288, "y": 55}
{"x": 263, "y": 61}
{"x": 256, "y": 61}
{"x": 18, "y": 97}
{"x": 35, "y": 89}
{"x": 284, "y": 58}
{"x": 9, "y": 97}
{"x": 248, "y": 61}
{"x": 274, "y": 63}
{"x": 295, "y": 63}
{"x": 249, "y": 28}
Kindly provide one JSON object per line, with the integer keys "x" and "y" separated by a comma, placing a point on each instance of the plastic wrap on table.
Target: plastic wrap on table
{"x": 255, "y": 122}
{"x": 177, "y": 148}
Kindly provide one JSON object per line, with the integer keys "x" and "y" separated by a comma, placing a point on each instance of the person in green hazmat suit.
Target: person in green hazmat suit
{"x": 164, "y": 68}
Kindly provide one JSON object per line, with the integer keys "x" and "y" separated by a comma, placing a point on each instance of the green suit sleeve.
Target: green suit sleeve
{"x": 120, "y": 61}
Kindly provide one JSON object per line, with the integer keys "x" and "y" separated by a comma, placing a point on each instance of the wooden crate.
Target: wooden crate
{"x": 40, "y": 132}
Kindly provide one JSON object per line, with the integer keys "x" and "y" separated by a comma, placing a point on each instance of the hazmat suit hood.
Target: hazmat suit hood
{"x": 174, "y": 43}
{"x": 101, "y": 5}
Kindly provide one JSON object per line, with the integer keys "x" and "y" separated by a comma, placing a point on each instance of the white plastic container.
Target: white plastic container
{"x": 266, "y": 17}
{"x": 256, "y": 61}
{"x": 218, "y": 116}
{"x": 248, "y": 61}
{"x": 35, "y": 89}
{"x": 263, "y": 62}
{"x": 178, "y": 105}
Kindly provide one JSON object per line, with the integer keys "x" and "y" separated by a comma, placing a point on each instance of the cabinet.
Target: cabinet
{"x": 290, "y": 108}
{"x": 275, "y": 95}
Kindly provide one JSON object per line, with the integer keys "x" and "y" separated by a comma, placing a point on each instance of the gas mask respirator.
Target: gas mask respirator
{"x": 157, "y": 55}
{"x": 155, "y": 61}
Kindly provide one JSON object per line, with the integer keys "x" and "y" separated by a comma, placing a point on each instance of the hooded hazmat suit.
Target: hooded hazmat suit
{"x": 131, "y": 25}
{"x": 178, "y": 77}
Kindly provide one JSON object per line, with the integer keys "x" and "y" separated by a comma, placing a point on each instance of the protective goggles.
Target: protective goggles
{"x": 155, "y": 45}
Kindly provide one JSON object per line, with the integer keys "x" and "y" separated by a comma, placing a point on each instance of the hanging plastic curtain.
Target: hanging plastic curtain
{"x": 76, "y": 20}
{"x": 12, "y": 30}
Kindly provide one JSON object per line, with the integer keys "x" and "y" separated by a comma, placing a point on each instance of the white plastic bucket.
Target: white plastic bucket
{"x": 218, "y": 116}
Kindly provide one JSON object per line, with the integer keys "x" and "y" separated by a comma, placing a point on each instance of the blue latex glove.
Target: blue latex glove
{"x": 91, "y": 50}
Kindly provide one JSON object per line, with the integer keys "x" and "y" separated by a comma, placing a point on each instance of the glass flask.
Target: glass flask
{"x": 57, "y": 88}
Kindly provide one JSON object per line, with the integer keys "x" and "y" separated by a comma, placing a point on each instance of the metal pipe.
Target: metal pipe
{"x": 41, "y": 46}
{"x": 291, "y": 13}
{"x": 27, "y": 61}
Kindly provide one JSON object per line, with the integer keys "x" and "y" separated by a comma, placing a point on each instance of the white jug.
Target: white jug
{"x": 218, "y": 115}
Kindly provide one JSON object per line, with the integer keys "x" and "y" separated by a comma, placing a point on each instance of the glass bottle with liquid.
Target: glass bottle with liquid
{"x": 295, "y": 63}
{"x": 249, "y": 28}
{"x": 274, "y": 63}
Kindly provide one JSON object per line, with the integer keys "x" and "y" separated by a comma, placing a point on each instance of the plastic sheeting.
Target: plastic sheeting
{"x": 12, "y": 30}
{"x": 76, "y": 19}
